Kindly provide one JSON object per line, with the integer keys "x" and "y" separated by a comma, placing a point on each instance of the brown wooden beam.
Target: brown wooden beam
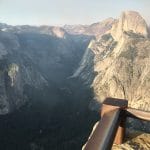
{"x": 110, "y": 104}
{"x": 103, "y": 135}
{"x": 138, "y": 114}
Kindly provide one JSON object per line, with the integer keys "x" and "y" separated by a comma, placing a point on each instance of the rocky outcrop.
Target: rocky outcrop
{"x": 123, "y": 71}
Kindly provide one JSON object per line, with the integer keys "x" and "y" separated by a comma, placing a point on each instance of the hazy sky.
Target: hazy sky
{"x": 59, "y": 12}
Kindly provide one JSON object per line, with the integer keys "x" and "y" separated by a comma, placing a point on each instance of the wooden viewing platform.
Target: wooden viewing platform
{"x": 111, "y": 127}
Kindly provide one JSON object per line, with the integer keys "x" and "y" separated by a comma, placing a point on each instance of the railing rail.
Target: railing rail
{"x": 103, "y": 135}
{"x": 138, "y": 114}
{"x": 111, "y": 128}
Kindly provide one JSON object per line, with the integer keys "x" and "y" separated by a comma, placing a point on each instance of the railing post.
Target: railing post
{"x": 111, "y": 104}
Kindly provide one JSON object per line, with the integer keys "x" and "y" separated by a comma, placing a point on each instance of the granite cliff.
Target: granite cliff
{"x": 120, "y": 60}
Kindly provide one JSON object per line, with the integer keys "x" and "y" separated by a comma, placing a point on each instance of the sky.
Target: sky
{"x": 60, "y": 12}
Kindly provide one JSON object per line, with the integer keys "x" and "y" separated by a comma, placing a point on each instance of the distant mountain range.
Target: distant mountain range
{"x": 96, "y": 29}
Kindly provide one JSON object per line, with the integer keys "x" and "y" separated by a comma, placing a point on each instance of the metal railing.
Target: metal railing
{"x": 111, "y": 127}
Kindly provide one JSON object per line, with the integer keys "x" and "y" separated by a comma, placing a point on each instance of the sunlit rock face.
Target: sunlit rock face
{"x": 121, "y": 62}
{"x": 123, "y": 71}
{"x": 129, "y": 21}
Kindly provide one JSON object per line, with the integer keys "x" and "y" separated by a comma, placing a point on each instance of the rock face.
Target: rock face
{"x": 122, "y": 62}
